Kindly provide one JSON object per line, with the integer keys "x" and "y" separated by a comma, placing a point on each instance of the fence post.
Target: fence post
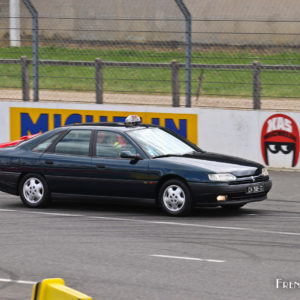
{"x": 25, "y": 78}
{"x": 256, "y": 84}
{"x": 188, "y": 51}
{"x": 200, "y": 78}
{"x": 35, "y": 47}
{"x": 99, "y": 81}
{"x": 175, "y": 83}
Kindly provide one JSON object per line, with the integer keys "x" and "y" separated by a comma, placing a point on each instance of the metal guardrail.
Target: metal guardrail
{"x": 175, "y": 67}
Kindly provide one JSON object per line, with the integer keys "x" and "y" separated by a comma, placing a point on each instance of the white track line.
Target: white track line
{"x": 42, "y": 213}
{"x": 55, "y": 214}
{"x": 245, "y": 229}
{"x": 188, "y": 258}
{"x": 16, "y": 281}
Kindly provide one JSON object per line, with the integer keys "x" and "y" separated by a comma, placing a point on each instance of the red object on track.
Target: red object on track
{"x": 16, "y": 142}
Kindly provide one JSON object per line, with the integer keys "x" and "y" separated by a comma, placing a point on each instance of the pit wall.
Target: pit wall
{"x": 268, "y": 137}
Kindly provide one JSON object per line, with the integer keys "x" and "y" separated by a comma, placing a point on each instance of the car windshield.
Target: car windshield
{"x": 157, "y": 142}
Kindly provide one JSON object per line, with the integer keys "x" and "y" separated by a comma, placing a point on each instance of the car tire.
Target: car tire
{"x": 175, "y": 198}
{"x": 34, "y": 192}
{"x": 233, "y": 207}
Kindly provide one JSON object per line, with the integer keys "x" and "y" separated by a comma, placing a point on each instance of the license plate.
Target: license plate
{"x": 259, "y": 188}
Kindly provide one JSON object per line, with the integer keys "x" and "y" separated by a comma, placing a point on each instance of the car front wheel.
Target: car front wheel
{"x": 34, "y": 191}
{"x": 175, "y": 198}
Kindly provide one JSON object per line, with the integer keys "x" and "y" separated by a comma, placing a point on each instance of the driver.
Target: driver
{"x": 111, "y": 140}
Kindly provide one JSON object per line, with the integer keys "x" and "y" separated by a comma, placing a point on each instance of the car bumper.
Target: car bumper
{"x": 205, "y": 194}
{"x": 9, "y": 182}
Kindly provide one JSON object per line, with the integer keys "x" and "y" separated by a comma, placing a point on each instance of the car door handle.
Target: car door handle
{"x": 100, "y": 166}
{"x": 48, "y": 162}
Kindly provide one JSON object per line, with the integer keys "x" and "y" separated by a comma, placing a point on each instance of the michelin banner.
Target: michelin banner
{"x": 271, "y": 138}
{"x": 26, "y": 121}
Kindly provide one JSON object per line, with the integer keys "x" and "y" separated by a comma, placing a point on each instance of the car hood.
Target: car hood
{"x": 217, "y": 163}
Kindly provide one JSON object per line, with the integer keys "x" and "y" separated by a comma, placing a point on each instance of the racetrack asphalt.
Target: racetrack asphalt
{"x": 117, "y": 250}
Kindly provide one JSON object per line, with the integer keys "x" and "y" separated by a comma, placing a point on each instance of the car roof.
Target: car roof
{"x": 111, "y": 126}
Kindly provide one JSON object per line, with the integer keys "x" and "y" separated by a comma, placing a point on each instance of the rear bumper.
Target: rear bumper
{"x": 9, "y": 182}
{"x": 205, "y": 194}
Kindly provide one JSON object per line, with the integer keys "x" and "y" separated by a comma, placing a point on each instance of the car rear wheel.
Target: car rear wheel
{"x": 34, "y": 191}
{"x": 175, "y": 198}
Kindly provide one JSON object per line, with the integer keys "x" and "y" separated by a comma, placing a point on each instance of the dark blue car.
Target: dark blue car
{"x": 129, "y": 160}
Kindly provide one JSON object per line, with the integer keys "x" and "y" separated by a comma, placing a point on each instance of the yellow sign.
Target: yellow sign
{"x": 55, "y": 289}
{"x": 26, "y": 121}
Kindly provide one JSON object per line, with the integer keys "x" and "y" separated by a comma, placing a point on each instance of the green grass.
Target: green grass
{"x": 155, "y": 80}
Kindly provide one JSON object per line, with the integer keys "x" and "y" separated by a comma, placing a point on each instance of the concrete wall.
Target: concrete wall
{"x": 264, "y": 136}
{"x": 155, "y": 14}
{"x": 4, "y": 21}
{"x": 266, "y": 10}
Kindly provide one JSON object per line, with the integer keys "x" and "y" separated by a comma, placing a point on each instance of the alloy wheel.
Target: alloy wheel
{"x": 174, "y": 198}
{"x": 33, "y": 190}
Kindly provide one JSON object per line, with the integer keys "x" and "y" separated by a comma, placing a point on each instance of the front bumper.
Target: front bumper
{"x": 205, "y": 194}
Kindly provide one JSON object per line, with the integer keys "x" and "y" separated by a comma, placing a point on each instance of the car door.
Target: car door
{"x": 67, "y": 165}
{"x": 116, "y": 176}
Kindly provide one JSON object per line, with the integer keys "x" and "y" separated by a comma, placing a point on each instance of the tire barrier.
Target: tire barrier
{"x": 55, "y": 289}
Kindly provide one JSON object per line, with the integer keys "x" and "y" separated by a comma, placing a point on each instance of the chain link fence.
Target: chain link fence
{"x": 137, "y": 43}
{"x": 267, "y": 32}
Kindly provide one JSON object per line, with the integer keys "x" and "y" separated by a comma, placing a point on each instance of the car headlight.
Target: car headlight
{"x": 221, "y": 177}
{"x": 264, "y": 172}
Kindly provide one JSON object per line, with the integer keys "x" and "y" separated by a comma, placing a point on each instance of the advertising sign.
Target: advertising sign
{"x": 26, "y": 121}
{"x": 280, "y": 141}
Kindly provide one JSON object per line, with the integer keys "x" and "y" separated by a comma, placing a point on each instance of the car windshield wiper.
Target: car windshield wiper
{"x": 193, "y": 153}
{"x": 188, "y": 154}
{"x": 167, "y": 155}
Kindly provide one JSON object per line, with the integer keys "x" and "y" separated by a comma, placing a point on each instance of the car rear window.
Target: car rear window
{"x": 76, "y": 142}
{"x": 43, "y": 146}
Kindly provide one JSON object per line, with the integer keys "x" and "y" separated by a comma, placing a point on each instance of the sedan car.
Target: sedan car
{"x": 128, "y": 160}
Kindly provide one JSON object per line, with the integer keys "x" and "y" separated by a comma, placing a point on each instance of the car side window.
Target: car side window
{"x": 45, "y": 144}
{"x": 110, "y": 144}
{"x": 75, "y": 142}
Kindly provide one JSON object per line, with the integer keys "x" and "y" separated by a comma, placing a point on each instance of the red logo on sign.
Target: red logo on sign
{"x": 280, "y": 134}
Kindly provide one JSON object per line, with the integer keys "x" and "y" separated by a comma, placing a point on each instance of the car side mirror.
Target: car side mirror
{"x": 128, "y": 154}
